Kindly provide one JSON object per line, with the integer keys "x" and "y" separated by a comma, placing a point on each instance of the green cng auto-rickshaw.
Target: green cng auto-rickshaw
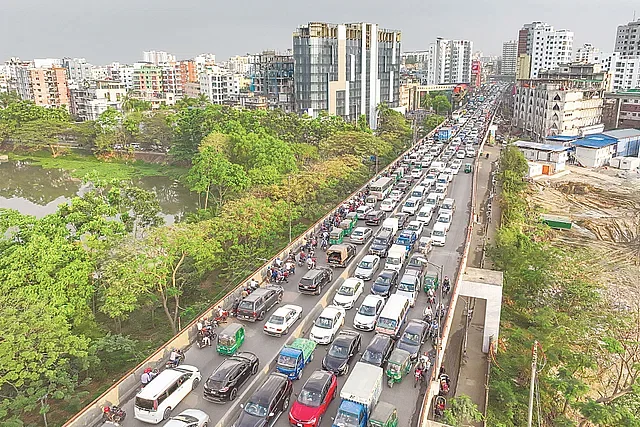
{"x": 468, "y": 168}
{"x": 431, "y": 282}
{"x": 384, "y": 415}
{"x": 230, "y": 340}
{"x": 336, "y": 236}
{"x": 398, "y": 365}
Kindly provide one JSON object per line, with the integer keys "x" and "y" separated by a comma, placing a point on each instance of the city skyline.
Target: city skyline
{"x": 120, "y": 30}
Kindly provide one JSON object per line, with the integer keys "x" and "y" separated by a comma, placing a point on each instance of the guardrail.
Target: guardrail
{"x": 129, "y": 384}
{"x": 434, "y": 386}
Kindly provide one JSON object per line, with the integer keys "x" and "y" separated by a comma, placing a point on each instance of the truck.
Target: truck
{"x": 359, "y": 396}
{"x": 395, "y": 257}
{"x": 444, "y": 133}
{"x": 294, "y": 357}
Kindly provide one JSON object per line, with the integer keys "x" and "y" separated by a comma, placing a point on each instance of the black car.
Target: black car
{"x": 417, "y": 262}
{"x": 378, "y": 350}
{"x": 381, "y": 243}
{"x": 385, "y": 283}
{"x": 223, "y": 384}
{"x": 403, "y": 219}
{"x": 267, "y": 403}
{"x": 254, "y": 306}
{"x": 314, "y": 280}
{"x": 402, "y": 185}
{"x": 340, "y": 352}
{"x": 375, "y": 217}
{"x": 413, "y": 337}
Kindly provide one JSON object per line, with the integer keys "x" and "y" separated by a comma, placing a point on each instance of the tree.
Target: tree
{"x": 461, "y": 411}
{"x": 131, "y": 104}
{"x": 359, "y": 144}
{"x": 441, "y": 104}
{"x": 41, "y": 133}
{"x": 8, "y": 98}
{"x": 431, "y": 122}
{"x": 394, "y": 129}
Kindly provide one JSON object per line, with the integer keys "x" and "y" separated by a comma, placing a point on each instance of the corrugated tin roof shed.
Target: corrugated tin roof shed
{"x": 623, "y": 133}
{"x": 540, "y": 147}
{"x": 597, "y": 140}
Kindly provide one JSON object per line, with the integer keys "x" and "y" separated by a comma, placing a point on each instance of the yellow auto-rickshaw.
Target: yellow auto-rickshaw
{"x": 230, "y": 340}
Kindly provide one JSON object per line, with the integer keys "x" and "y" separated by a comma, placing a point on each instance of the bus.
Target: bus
{"x": 381, "y": 188}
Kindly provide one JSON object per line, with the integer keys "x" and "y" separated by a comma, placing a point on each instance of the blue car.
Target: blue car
{"x": 407, "y": 238}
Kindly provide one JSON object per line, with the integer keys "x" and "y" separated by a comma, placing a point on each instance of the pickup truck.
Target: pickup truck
{"x": 359, "y": 395}
{"x": 293, "y": 358}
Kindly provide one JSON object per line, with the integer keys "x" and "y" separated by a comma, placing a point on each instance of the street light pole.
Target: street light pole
{"x": 437, "y": 314}
{"x": 289, "y": 204}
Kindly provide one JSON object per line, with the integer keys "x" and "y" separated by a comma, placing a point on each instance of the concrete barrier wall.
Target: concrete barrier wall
{"x": 129, "y": 384}
{"x": 434, "y": 386}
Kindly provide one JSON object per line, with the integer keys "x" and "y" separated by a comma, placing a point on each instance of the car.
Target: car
{"x": 416, "y": 226}
{"x": 387, "y": 205}
{"x": 363, "y": 210}
{"x": 402, "y": 185}
{"x": 411, "y": 206}
{"x": 367, "y": 267}
{"x": 396, "y": 195}
{"x": 445, "y": 218}
{"x": 360, "y": 235}
{"x": 416, "y": 173}
{"x": 449, "y": 172}
{"x": 455, "y": 169}
{"x": 413, "y": 336}
{"x": 429, "y": 180}
{"x": 460, "y": 154}
{"x": 345, "y": 345}
{"x": 375, "y": 217}
{"x": 224, "y": 382}
{"x": 368, "y": 313}
{"x": 255, "y": 306}
{"x": 402, "y": 217}
{"x": 282, "y": 319}
{"x": 327, "y": 324}
{"x": 267, "y": 403}
{"x": 385, "y": 283}
{"x": 470, "y": 153}
{"x": 314, "y": 399}
{"x": 378, "y": 350}
{"x": 409, "y": 286}
{"x": 348, "y": 293}
{"x": 189, "y": 418}
{"x": 381, "y": 243}
{"x": 424, "y": 215}
{"x": 315, "y": 279}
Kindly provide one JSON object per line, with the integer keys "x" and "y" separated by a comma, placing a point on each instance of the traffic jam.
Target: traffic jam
{"x": 379, "y": 331}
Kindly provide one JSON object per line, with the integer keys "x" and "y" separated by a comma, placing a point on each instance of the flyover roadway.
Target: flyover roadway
{"x": 404, "y": 395}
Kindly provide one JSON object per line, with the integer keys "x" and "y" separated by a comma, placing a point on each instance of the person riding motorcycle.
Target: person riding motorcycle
{"x": 311, "y": 263}
{"x": 446, "y": 284}
{"x": 428, "y": 314}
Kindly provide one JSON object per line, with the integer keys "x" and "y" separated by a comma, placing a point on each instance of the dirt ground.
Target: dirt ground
{"x": 604, "y": 206}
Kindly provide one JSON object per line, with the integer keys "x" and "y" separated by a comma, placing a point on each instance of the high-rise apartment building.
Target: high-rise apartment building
{"x": 624, "y": 69}
{"x": 545, "y": 47}
{"x": 19, "y": 77}
{"x": 238, "y": 64}
{"x": 157, "y": 57}
{"x": 176, "y": 75}
{"x": 121, "y": 73}
{"x": 271, "y": 75}
{"x": 449, "y": 61}
{"x": 147, "y": 78}
{"x": 628, "y": 38}
{"x": 50, "y": 87}
{"x": 78, "y": 70}
{"x": 95, "y": 97}
{"x": 588, "y": 54}
{"x": 346, "y": 69}
{"x": 509, "y": 58}
{"x": 219, "y": 84}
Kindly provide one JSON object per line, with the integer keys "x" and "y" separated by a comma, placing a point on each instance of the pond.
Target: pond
{"x": 33, "y": 190}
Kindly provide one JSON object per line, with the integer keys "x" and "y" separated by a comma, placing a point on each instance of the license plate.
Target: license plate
{"x": 299, "y": 425}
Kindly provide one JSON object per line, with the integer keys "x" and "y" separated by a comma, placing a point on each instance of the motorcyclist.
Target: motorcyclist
{"x": 431, "y": 296}
{"x": 446, "y": 285}
{"x": 311, "y": 263}
{"x": 428, "y": 314}
{"x": 145, "y": 378}
{"x": 175, "y": 357}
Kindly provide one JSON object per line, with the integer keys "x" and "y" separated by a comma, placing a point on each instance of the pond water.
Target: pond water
{"x": 33, "y": 190}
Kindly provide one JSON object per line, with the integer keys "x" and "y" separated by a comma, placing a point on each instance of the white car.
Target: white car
{"x": 460, "y": 154}
{"x": 189, "y": 418}
{"x": 471, "y": 153}
{"x": 326, "y": 326}
{"x": 363, "y": 211}
{"x": 424, "y": 215}
{"x": 449, "y": 172}
{"x": 445, "y": 218}
{"x": 368, "y": 313}
{"x": 349, "y": 293}
{"x": 416, "y": 173}
{"x": 282, "y": 319}
{"x": 367, "y": 267}
{"x": 430, "y": 180}
{"x": 455, "y": 169}
{"x": 387, "y": 205}
{"x": 360, "y": 235}
{"x": 411, "y": 206}
{"x": 416, "y": 226}
{"x": 396, "y": 195}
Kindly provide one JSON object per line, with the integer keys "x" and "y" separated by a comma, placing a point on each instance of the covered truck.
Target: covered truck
{"x": 359, "y": 396}
{"x": 293, "y": 358}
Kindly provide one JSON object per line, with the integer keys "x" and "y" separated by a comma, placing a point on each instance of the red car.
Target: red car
{"x": 313, "y": 400}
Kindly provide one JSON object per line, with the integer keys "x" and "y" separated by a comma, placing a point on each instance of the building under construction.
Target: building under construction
{"x": 271, "y": 75}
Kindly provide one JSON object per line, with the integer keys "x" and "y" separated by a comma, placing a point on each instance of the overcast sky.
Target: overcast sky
{"x": 119, "y": 30}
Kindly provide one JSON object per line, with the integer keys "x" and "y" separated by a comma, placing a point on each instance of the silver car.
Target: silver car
{"x": 360, "y": 235}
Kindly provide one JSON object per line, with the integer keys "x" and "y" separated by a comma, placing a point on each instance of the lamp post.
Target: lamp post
{"x": 437, "y": 314}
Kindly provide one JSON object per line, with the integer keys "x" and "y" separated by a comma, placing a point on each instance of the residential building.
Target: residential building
{"x": 78, "y": 70}
{"x": 621, "y": 110}
{"x": 346, "y": 69}
{"x": 123, "y": 74}
{"x": 4, "y": 80}
{"x": 509, "y": 58}
{"x": 157, "y": 57}
{"x": 476, "y": 73}
{"x": 545, "y": 46}
{"x": 416, "y": 60}
{"x": 99, "y": 73}
{"x": 624, "y": 69}
{"x": 50, "y": 87}
{"x": 449, "y": 62}
{"x": 192, "y": 89}
{"x": 628, "y": 39}
{"x": 219, "y": 84}
{"x": 91, "y": 100}
{"x": 47, "y": 62}
{"x": 204, "y": 60}
{"x": 147, "y": 78}
{"x": 19, "y": 77}
{"x": 568, "y": 101}
{"x": 271, "y": 76}
{"x": 588, "y": 54}
{"x": 578, "y": 71}
{"x": 594, "y": 151}
{"x": 238, "y": 64}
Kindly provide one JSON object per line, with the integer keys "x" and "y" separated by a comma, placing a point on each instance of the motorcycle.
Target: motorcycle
{"x": 311, "y": 263}
{"x": 234, "y": 308}
{"x": 175, "y": 362}
{"x": 114, "y": 414}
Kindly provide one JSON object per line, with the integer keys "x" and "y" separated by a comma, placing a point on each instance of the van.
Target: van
{"x": 156, "y": 400}
{"x": 432, "y": 201}
{"x": 439, "y": 234}
{"x": 443, "y": 178}
{"x": 391, "y": 224}
{"x": 409, "y": 286}
{"x": 254, "y": 306}
{"x": 395, "y": 257}
{"x": 439, "y": 166}
{"x": 418, "y": 191}
{"x": 393, "y": 316}
{"x": 425, "y": 214}
{"x": 448, "y": 206}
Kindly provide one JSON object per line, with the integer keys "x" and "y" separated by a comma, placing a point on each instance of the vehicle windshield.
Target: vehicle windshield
{"x": 422, "y": 214}
{"x": 144, "y": 403}
{"x": 187, "y": 419}
{"x": 225, "y": 340}
{"x": 413, "y": 227}
{"x": 431, "y": 201}
{"x": 344, "y": 419}
{"x": 246, "y": 305}
{"x": 415, "y": 262}
{"x": 446, "y": 206}
{"x": 444, "y": 219}
{"x": 374, "y": 358}
{"x": 438, "y": 233}
{"x": 410, "y": 338}
{"x": 410, "y": 203}
{"x": 339, "y": 351}
{"x": 367, "y": 310}
{"x": 366, "y": 264}
{"x": 255, "y": 409}
{"x": 387, "y": 323}
{"x": 346, "y": 291}
{"x": 276, "y": 320}
{"x": 407, "y": 287}
{"x": 287, "y": 361}
{"x": 379, "y": 241}
{"x": 357, "y": 233}
{"x": 310, "y": 398}
{"x": 324, "y": 322}
{"x": 383, "y": 280}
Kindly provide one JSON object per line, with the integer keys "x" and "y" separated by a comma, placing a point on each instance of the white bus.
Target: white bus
{"x": 381, "y": 188}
